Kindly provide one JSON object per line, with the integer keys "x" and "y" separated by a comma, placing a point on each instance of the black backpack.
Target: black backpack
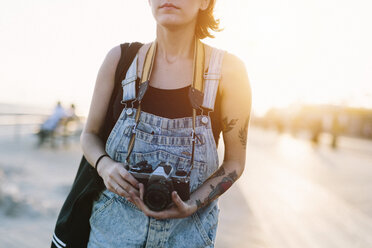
{"x": 72, "y": 228}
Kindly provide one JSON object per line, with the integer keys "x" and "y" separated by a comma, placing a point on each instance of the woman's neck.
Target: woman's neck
{"x": 176, "y": 43}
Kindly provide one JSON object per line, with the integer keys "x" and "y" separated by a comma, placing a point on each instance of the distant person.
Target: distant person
{"x": 71, "y": 113}
{"x": 335, "y": 130}
{"x": 69, "y": 123}
{"x": 316, "y": 130}
{"x": 49, "y": 126}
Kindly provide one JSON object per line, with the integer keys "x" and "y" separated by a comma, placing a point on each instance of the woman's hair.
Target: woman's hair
{"x": 206, "y": 22}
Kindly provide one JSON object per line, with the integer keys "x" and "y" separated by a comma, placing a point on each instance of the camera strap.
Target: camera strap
{"x": 196, "y": 94}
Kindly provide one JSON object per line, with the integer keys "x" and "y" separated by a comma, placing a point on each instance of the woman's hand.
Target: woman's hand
{"x": 117, "y": 179}
{"x": 179, "y": 208}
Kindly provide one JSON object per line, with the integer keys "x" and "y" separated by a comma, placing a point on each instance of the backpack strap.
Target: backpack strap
{"x": 128, "y": 52}
{"x": 212, "y": 78}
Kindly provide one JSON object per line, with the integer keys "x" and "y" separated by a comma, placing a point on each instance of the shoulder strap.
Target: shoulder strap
{"x": 212, "y": 78}
{"x": 129, "y": 82}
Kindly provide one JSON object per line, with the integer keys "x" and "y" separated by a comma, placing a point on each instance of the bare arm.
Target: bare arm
{"x": 114, "y": 175}
{"x": 235, "y": 116}
{"x": 90, "y": 142}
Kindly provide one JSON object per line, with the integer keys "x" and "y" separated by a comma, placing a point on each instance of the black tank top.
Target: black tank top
{"x": 174, "y": 103}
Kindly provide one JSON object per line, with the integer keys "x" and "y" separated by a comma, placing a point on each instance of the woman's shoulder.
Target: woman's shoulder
{"x": 143, "y": 49}
{"x": 114, "y": 53}
{"x": 233, "y": 71}
{"x": 231, "y": 63}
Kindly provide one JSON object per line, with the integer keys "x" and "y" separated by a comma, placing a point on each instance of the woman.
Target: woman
{"x": 120, "y": 218}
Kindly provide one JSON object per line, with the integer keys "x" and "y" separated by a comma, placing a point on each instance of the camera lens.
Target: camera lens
{"x": 157, "y": 196}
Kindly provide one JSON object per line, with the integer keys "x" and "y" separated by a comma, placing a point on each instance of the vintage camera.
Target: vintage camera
{"x": 160, "y": 182}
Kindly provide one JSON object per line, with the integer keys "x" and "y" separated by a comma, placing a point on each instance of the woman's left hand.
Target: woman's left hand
{"x": 179, "y": 209}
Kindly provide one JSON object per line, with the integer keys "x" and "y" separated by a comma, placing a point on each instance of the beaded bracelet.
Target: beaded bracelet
{"x": 103, "y": 155}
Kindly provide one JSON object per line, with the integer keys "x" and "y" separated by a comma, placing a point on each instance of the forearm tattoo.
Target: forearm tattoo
{"x": 243, "y": 133}
{"x": 218, "y": 173}
{"x": 228, "y": 125}
{"x": 220, "y": 188}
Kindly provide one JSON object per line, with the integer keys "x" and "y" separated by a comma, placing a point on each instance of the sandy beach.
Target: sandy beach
{"x": 291, "y": 193}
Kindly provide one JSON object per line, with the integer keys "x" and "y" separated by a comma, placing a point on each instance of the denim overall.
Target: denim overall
{"x": 116, "y": 222}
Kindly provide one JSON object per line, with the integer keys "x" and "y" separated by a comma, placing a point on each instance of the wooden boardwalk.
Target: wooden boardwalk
{"x": 307, "y": 197}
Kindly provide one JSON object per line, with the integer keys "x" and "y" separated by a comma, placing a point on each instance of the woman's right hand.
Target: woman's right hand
{"x": 117, "y": 179}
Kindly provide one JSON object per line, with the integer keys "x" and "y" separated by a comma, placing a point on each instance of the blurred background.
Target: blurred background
{"x": 307, "y": 181}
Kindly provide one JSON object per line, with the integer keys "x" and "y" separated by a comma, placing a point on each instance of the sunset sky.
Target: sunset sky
{"x": 295, "y": 51}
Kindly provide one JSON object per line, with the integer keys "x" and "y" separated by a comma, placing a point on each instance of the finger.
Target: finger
{"x": 137, "y": 201}
{"x": 143, "y": 206}
{"x": 178, "y": 201}
{"x": 133, "y": 198}
{"x": 125, "y": 185}
{"x": 127, "y": 195}
{"x": 140, "y": 204}
{"x": 142, "y": 190}
{"x": 117, "y": 189}
{"x": 128, "y": 177}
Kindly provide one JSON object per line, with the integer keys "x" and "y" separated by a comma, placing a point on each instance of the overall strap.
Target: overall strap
{"x": 129, "y": 82}
{"x": 146, "y": 73}
{"x": 212, "y": 78}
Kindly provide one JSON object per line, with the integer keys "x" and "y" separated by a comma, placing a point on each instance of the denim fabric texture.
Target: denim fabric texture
{"x": 116, "y": 222}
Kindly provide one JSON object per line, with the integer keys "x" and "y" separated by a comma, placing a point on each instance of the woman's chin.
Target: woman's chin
{"x": 170, "y": 22}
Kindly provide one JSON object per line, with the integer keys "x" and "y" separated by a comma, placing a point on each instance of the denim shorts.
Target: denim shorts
{"x": 116, "y": 222}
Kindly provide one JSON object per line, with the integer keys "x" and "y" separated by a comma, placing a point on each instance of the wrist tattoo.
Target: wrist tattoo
{"x": 228, "y": 125}
{"x": 199, "y": 204}
{"x": 243, "y": 133}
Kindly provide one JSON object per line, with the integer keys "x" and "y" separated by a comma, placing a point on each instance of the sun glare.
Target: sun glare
{"x": 311, "y": 52}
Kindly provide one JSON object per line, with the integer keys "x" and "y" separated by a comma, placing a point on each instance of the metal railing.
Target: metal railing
{"x": 17, "y": 124}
